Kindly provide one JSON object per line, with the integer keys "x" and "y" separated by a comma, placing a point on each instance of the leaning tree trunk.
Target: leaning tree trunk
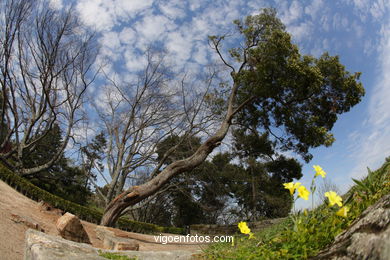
{"x": 138, "y": 193}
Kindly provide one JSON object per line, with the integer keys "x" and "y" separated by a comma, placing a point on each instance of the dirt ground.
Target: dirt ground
{"x": 12, "y": 204}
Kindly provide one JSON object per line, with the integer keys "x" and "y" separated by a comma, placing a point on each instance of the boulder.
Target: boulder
{"x": 41, "y": 246}
{"x": 113, "y": 242}
{"x": 367, "y": 238}
{"x": 70, "y": 228}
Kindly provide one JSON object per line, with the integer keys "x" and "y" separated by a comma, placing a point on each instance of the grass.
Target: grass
{"x": 304, "y": 235}
{"x": 115, "y": 256}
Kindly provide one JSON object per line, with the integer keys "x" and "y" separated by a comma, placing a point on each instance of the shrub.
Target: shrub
{"x": 91, "y": 215}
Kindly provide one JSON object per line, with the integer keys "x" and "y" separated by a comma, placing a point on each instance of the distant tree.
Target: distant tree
{"x": 261, "y": 192}
{"x": 187, "y": 192}
{"x": 62, "y": 178}
{"x": 272, "y": 87}
{"x": 93, "y": 155}
{"x": 45, "y": 69}
{"x": 5, "y": 145}
{"x": 197, "y": 197}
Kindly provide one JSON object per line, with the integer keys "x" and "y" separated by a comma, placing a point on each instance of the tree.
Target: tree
{"x": 92, "y": 156}
{"x": 198, "y": 196}
{"x": 136, "y": 115}
{"x": 261, "y": 193}
{"x": 62, "y": 178}
{"x": 182, "y": 199}
{"x": 273, "y": 87}
{"x": 45, "y": 70}
{"x": 3, "y": 129}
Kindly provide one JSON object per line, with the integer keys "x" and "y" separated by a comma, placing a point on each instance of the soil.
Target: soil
{"x": 16, "y": 210}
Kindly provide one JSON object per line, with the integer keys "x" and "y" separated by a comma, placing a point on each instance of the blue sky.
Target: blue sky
{"x": 356, "y": 30}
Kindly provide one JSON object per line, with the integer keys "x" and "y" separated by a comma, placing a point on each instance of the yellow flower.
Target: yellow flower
{"x": 291, "y": 186}
{"x": 343, "y": 212}
{"x": 251, "y": 235}
{"x": 333, "y": 198}
{"x": 303, "y": 192}
{"x": 319, "y": 171}
{"x": 244, "y": 228}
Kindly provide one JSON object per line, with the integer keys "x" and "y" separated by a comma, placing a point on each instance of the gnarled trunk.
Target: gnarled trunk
{"x": 138, "y": 193}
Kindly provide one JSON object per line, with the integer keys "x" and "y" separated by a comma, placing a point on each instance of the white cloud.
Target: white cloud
{"x": 200, "y": 55}
{"x": 105, "y": 14}
{"x": 195, "y": 5}
{"x": 314, "y": 7}
{"x": 179, "y": 46}
{"x": 173, "y": 9}
{"x": 378, "y": 9}
{"x": 134, "y": 62}
{"x": 380, "y": 106}
{"x": 56, "y": 4}
{"x": 127, "y": 36}
{"x": 125, "y": 8}
{"x": 372, "y": 147}
{"x": 292, "y": 13}
{"x": 153, "y": 27}
{"x": 301, "y": 31}
{"x": 96, "y": 13}
{"x": 325, "y": 23}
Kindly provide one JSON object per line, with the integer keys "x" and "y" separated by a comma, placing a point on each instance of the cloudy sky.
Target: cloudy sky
{"x": 356, "y": 30}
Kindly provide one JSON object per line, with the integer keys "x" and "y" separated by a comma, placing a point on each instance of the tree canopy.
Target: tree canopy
{"x": 298, "y": 94}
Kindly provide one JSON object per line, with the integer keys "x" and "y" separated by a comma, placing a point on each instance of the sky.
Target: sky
{"x": 356, "y": 30}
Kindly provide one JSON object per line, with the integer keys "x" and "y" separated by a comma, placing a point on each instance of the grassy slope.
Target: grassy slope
{"x": 302, "y": 236}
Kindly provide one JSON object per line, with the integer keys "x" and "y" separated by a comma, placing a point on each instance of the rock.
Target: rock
{"x": 70, "y": 228}
{"x": 44, "y": 206}
{"x": 27, "y": 222}
{"x": 41, "y": 246}
{"x": 163, "y": 255}
{"x": 367, "y": 238}
{"x": 113, "y": 242}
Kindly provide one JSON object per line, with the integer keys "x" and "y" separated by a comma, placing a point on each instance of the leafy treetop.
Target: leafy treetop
{"x": 299, "y": 94}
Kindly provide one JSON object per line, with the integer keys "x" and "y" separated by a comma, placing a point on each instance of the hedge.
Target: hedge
{"x": 91, "y": 215}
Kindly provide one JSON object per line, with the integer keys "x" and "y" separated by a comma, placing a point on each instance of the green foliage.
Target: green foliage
{"x": 261, "y": 192}
{"x": 115, "y": 256}
{"x": 313, "y": 230}
{"x": 88, "y": 214}
{"x": 370, "y": 187}
{"x": 93, "y": 154}
{"x": 185, "y": 147}
{"x": 3, "y": 125}
{"x": 61, "y": 179}
{"x": 201, "y": 195}
{"x": 198, "y": 196}
{"x": 299, "y": 94}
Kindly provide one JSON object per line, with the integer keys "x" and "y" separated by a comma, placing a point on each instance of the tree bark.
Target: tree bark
{"x": 138, "y": 193}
